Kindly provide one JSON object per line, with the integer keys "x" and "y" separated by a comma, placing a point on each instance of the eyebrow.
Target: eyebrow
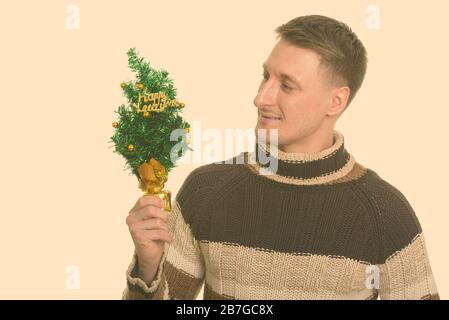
{"x": 285, "y": 77}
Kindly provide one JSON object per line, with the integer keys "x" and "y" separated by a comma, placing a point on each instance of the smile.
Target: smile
{"x": 270, "y": 117}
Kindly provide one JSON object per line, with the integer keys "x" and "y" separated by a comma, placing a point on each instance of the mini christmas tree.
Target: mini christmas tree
{"x": 150, "y": 134}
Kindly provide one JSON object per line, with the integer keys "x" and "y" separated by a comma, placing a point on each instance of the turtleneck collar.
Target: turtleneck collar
{"x": 303, "y": 168}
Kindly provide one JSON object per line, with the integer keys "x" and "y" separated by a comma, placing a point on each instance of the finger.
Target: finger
{"x": 160, "y": 235}
{"x": 153, "y": 224}
{"x": 147, "y": 200}
{"x": 149, "y": 212}
{"x": 146, "y": 213}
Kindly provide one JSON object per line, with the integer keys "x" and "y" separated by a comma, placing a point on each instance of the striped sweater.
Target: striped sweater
{"x": 321, "y": 226}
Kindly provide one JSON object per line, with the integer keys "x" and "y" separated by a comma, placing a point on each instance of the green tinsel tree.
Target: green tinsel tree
{"x": 139, "y": 137}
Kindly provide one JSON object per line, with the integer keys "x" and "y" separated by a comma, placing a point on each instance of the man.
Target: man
{"x": 320, "y": 226}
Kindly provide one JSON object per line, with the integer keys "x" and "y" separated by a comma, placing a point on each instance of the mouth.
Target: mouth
{"x": 269, "y": 117}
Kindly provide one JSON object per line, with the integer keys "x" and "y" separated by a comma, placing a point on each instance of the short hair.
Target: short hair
{"x": 342, "y": 53}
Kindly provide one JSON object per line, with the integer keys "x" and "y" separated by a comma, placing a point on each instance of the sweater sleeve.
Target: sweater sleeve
{"x": 403, "y": 260}
{"x": 407, "y": 275}
{"x": 180, "y": 273}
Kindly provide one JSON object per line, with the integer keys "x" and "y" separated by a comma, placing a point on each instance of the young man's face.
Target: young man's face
{"x": 295, "y": 89}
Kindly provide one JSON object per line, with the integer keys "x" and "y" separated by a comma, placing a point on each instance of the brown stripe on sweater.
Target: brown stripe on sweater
{"x": 210, "y": 294}
{"x": 181, "y": 285}
{"x": 356, "y": 173}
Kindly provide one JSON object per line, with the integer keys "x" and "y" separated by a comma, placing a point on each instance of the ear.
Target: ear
{"x": 339, "y": 100}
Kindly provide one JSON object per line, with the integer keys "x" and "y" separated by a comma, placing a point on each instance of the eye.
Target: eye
{"x": 285, "y": 87}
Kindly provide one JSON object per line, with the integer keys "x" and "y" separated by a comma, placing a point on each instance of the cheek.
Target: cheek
{"x": 294, "y": 120}
{"x": 299, "y": 116}
{"x": 303, "y": 108}
{"x": 295, "y": 111}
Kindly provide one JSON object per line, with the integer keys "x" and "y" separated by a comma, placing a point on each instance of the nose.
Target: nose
{"x": 266, "y": 96}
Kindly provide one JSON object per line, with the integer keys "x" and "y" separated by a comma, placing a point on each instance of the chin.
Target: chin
{"x": 266, "y": 137}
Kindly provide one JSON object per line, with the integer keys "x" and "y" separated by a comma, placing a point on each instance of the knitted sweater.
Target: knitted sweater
{"x": 321, "y": 226}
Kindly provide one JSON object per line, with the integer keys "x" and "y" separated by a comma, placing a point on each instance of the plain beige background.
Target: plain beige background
{"x": 65, "y": 195}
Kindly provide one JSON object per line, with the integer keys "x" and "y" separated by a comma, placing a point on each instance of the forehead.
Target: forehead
{"x": 289, "y": 59}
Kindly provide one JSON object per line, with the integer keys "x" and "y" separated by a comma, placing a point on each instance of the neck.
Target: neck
{"x": 314, "y": 143}
{"x": 304, "y": 168}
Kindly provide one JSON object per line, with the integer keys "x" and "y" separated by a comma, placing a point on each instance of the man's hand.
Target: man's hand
{"x": 148, "y": 226}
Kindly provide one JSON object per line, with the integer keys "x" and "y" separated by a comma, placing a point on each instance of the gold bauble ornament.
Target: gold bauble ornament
{"x": 123, "y": 85}
{"x": 115, "y": 124}
{"x": 187, "y": 130}
{"x": 139, "y": 86}
{"x": 182, "y": 105}
{"x": 130, "y": 147}
{"x": 146, "y": 114}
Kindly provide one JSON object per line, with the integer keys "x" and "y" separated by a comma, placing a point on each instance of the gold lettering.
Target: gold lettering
{"x": 159, "y": 101}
